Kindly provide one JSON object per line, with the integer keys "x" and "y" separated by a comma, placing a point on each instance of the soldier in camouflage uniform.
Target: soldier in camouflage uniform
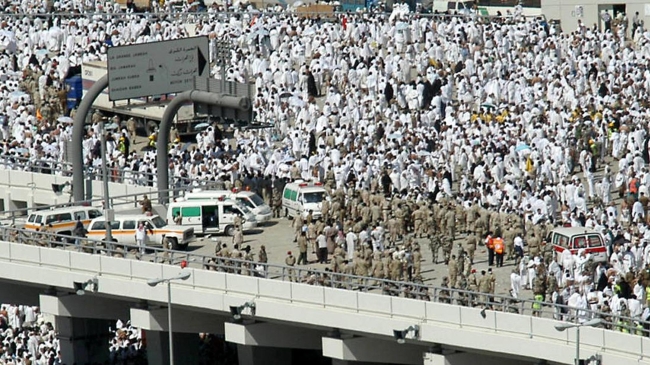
{"x": 46, "y": 112}
{"x": 276, "y": 203}
{"x": 447, "y": 247}
{"x": 435, "y": 244}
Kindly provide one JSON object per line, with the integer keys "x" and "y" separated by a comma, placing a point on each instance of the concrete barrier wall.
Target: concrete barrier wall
{"x": 302, "y": 304}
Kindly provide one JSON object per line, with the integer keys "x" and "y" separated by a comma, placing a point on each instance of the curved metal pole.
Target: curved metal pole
{"x": 162, "y": 144}
{"x": 78, "y": 132}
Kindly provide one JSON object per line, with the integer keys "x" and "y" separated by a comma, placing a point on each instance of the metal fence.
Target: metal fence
{"x": 64, "y": 168}
{"x": 125, "y": 201}
{"x": 306, "y": 275}
{"x": 115, "y": 174}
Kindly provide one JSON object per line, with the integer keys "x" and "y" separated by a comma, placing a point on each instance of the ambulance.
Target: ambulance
{"x": 211, "y": 215}
{"x": 300, "y": 197}
{"x": 575, "y": 239}
{"x": 247, "y": 198}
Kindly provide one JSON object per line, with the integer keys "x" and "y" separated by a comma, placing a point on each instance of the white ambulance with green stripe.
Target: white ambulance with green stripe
{"x": 211, "y": 216}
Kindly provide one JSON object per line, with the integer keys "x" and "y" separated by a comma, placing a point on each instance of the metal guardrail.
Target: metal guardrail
{"x": 115, "y": 201}
{"x": 115, "y": 175}
{"x": 327, "y": 278}
{"x": 64, "y": 168}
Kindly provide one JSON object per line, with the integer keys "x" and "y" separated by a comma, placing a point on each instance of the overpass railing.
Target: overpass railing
{"x": 327, "y": 278}
{"x": 64, "y": 168}
{"x": 121, "y": 201}
{"x": 115, "y": 174}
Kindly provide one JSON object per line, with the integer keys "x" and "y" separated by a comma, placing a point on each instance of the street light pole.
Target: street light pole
{"x": 169, "y": 321}
{"x": 577, "y": 361}
{"x": 107, "y": 209}
{"x": 153, "y": 282}
{"x": 590, "y": 323}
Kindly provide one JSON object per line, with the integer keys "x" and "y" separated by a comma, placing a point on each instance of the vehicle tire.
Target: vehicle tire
{"x": 150, "y": 127}
{"x": 230, "y": 231}
{"x": 173, "y": 243}
{"x": 286, "y": 214}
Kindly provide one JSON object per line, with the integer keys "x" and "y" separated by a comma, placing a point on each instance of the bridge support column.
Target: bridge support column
{"x": 346, "y": 362}
{"x": 372, "y": 350}
{"x": 259, "y": 355}
{"x": 273, "y": 335}
{"x": 186, "y": 348}
{"x": 83, "y": 340}
{"x": 84, "y": 306}
{"x": 184, "y": 321}
{"x": 466, "y": 358}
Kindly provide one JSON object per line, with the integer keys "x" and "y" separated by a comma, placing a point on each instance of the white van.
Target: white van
{"x": 62, "y": 220}
{"x": 298, "y": 198}
{"x": 461, "y": 7}
{"x": 211, "y": 216}
{"x": 249, "y": 199}
{"x": 575, "y": 239}
{"x": 123, "y": 230}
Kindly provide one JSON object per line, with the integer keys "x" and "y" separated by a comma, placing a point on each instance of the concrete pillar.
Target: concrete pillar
{"x": 83, "y": 340}
{"x": 186, "y": 348}
{"x": 184, "y": 321}
{"x": 371, "y": 350}
{"x": 273, "y": 335}
{"x": 260, "y": 355}
{"x": 84, "y": 306}
{"x": 466, "y": 358}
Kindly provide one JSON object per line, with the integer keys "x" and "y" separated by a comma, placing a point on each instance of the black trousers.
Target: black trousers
{"x": 499, "y": 259}
{"x": 490, "y": 256}
{"x": 322, "y": 255}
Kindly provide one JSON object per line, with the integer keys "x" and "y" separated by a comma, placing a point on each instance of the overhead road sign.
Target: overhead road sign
{"x": 157, "y": 68}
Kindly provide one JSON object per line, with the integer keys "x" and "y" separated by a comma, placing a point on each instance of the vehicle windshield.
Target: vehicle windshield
{"x": 245, "y": 202}
{"x": 256, "y": 200}
{"x": 315, "y": 197}
{"x": 158, "y": 222}
{"x": 243, "y": 208}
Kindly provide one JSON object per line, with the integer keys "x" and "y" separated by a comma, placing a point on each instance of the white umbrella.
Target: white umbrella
{"x": 295, "y": 101}
{"x": 111, "y": 126}
{"x": 64, "y": 119}
{"x": 201, "y": 126}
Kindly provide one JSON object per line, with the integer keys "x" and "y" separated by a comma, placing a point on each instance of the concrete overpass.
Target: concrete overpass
{"x": 346, "y": 326}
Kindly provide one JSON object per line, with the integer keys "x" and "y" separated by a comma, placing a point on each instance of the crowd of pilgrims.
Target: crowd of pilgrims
{"x": 459, "y": 129}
